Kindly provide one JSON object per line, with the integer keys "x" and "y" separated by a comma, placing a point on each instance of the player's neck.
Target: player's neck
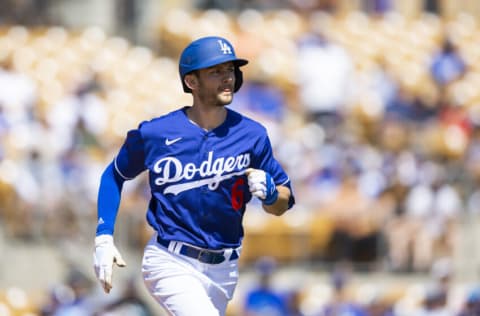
{"x": 207, "y": 118}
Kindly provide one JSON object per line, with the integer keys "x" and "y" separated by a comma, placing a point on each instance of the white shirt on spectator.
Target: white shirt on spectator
{"x": 324, "y": 75}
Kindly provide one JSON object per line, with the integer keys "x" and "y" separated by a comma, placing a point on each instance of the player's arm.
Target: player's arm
{"x": 127, "y": 165}
{"x": 106, "y": 254}
{"x": 108, "y": 202}
{"x": 277, "y": 197}
{"x": 281, "y": 205}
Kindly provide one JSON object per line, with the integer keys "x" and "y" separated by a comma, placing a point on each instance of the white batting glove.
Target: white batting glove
{"x": 262, "y": 186}
{"x": 105, "y": 255}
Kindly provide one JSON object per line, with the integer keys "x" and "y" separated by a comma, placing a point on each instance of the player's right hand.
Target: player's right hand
{"x": 105, "y": 255}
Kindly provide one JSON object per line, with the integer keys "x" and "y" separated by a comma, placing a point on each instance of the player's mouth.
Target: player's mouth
{"x": 227, "y": 89}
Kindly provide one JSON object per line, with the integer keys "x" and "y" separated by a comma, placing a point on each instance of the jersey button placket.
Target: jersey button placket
{"x": 205, "y": 148}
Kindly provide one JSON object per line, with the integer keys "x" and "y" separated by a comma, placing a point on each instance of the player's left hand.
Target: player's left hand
{"x": 262, "y": 186}
{"x": 105, "y": 255}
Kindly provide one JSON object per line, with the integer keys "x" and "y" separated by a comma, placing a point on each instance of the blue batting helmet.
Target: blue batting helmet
{"x": 207, "y": 52}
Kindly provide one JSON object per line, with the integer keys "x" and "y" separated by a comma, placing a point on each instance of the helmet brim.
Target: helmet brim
{"x": 238, "y": 62}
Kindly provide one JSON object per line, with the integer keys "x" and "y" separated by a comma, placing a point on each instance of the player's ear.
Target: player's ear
{"x": 191, "y": 81}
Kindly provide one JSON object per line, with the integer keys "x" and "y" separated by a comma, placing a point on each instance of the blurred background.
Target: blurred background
{"x": 372, "y": 106}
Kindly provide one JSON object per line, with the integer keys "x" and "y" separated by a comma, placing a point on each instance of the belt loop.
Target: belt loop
{"x": 177, "y": 248}
{"x": 172, "y": 245}
{"x": 228, "y": 253}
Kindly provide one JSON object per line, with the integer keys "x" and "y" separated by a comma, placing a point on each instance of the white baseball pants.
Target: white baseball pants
{"x": 185, "y": 286}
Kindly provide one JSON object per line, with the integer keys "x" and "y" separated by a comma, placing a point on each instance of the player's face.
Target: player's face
{"x": 215, "y": 84}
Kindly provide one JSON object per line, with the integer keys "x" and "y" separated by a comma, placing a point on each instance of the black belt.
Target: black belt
{"x": 202, "y": 255}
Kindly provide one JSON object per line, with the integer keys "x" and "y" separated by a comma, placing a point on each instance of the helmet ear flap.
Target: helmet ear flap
{"x": 238, "y": 79}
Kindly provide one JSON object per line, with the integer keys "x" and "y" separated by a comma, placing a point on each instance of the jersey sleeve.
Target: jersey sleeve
{"x": 130, "y": 160}
{"x": 263, "y": 159}
{"x": 109, "y": 194}
{"x": 127, "y": 165}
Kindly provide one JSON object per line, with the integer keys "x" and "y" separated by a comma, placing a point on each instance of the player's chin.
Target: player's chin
{"x": 225, "y": 98}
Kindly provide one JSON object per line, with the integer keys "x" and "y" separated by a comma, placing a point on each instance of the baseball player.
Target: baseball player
{"x": 205, "y": 162}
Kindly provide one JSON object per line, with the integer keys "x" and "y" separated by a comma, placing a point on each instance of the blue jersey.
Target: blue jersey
{"x": 199, "y": 189}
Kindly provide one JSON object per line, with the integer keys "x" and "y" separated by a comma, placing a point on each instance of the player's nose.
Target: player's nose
{"x": 228, "y": 76}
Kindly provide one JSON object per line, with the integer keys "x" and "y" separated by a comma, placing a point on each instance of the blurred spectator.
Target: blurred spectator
{"x": 294, "y": 302}
{"x": 127, "y": 12}
{"x": 238, "y": 5}
{"x": 60, "y": 295}
{"x": 376, "y": 83}
{"x": 380, "y": 306}
{"x": 4, "y": 126}
{"x": 263, "y": 299}
{"x": 358, "y": 221}
{"x": 427, "y": 228}
{"x": 432, "y": 6}
{"x": 471, "y": 306}
{"x": 18, "y": 93}
{"x": 341, "y": 304}
{"x": 447, "y": 64}
{"x": 377, "y": 7}
{"x": 453, "y": 119}
{"x": 407, "y": 106}
{"x": 324, "y": 76}
{"x": 3, "y": 132}
{"x": 78, "y": 118}
{"x": 307, "y": 6}
{"x": 434, "y": 302}
{"x": 26, "y": 12}
{"x": 218, "y": 4}
{"x": 27, "y": 219}
{"x": 81, "y": 303}
{"x": 442, "y": 273}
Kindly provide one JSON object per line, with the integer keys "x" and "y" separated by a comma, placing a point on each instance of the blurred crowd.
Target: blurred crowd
{"x": 340, "y": 294}
{"x": 270, "y": 291}
{"x": 375, "y": 117}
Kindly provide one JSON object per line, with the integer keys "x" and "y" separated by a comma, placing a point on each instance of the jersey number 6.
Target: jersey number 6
{"x": 237, "y": 194}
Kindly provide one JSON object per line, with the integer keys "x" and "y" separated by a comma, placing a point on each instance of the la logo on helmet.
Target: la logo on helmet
{"x": 224, "y": 47}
